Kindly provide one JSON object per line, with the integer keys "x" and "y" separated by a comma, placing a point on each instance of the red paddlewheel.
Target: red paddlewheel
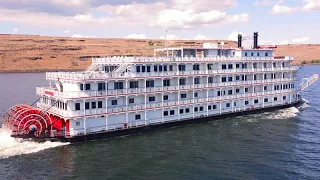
{"x": 21, "y": 119}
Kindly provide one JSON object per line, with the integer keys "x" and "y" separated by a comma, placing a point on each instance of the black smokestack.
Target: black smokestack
{"x": 255, "y": 40}
{"x": 239, "y": 40}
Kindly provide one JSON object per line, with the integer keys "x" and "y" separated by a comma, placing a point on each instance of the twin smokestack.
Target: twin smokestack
{"x": 255, "y": 40}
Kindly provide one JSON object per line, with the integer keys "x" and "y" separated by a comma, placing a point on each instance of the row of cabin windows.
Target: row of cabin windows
{"x": 58, "y": 104}
{"x": 284, "y": 86}
{"x": 258, "y": 54}
{"x": 245, "y": 65}
{"x": 94, "y": 105}
{"x": 156, "y": 68}
{"x": 101, "y": 87}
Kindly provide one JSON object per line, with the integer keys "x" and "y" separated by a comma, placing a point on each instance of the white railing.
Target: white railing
{"x": 91, "y": 94}
{"x": 124, "y": 59}
{"x": 83, "y": 76}
{"x": 156, "y": 105}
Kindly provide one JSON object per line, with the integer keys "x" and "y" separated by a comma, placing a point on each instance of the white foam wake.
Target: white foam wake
{"x": 12, "y": 147}
{"x": 284, "y": 113}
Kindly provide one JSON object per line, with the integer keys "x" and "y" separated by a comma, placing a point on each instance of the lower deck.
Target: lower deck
{"x": 157, "y": 126}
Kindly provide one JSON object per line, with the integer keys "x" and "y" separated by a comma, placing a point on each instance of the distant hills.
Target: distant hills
{"x": 24, "y": 53}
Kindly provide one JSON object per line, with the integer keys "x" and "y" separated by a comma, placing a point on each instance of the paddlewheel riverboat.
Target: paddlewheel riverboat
{"x": 125, "y": 95}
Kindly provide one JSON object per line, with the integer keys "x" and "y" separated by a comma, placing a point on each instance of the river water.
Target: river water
{"x": 284, "y": 144}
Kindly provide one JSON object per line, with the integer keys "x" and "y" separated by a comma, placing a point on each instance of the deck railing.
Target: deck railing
{"x": 93, "y": 94}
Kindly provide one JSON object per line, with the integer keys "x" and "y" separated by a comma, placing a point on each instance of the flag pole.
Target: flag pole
{"x": 167, "y": 43}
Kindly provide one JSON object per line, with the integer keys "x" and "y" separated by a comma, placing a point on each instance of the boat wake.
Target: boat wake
{"x": 13, "y": 147}
{"x": 284, "y": 113}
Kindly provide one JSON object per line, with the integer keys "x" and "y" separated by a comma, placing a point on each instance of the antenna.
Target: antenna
{"x": 167, "y": 43}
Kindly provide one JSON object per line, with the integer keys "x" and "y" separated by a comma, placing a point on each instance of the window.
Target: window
{"x": 165, "y": 68}
{"x": 237, "y": 90}
{"x": 266, "y": 54}
{"x": 246, "y": 90}
{"x": 118, "y": 85}
{"x": 244, "y": 66}
{"x": 196, "y": 80}
{"x": 275, "y": 99}
{"x": 209, "y": 66}
{"x": 182, "y": 82}
{"x": 138, "y": 68}
{"x": 214, "y": 106}
{"x": 137, "y": 116}
{"x": 195, "y": 109}
{"x": 183, "y": 96}
{"x": 230, "y": 79}
{"x": 182, "y": 67}
{"x": 152, "y": 99}
{"x": 256, "y": 101}
{"x": 114, "y": 102}
{"x": 210, "y": 79}
{"x": 266, "y": 100}
{"x": 160, "y": 68}
{"x": 155, "y": 68}
{"x": 187, "y": 110}
{"x": 224, "y": 66}
{"x": 265, "y": 88}
{"x": 148, "y": 68}
{"x": 230, "y": 66}
{"x": 237, "y": 66}
{"x": 196, "y": 67}
{"x": 218, "y": 93}
{"x": 224, "y": 79}
{"x": 264, "y": 65}
{"x": 77, "y": 106}
{"x": 99, "y": 104}
{"x": 166, "y": 82}
{"x": 170, "y": 68}
{"x": 101, "y": 86}
{"x": 274, "y": 65}
{"x": 258, "y": 54}
{"x": 88, "y": 87}
{"x": 245, "y": 54}
{"x": 234, "y": 104}
{"x": 143, "y": 68}
{"x": 254, "y": 77}
{"x": 284, "y": 97}
{"x": 195, "y": 94}
{"x": 134, "y": 84}
{"x": 81, "y": 87}
{"x": 181, "y": 111}
{"x": 77, "y": 123}
{"x": 165, "y": 97}
{"x": 228, "y": 105}
{"x": 237, "y": 78}
{"x": 283, "y": 64}
{"x": 131, "y": 100}
{"x": 246, "y": 102}
{"x": 265, "y": 76}
{"x": 165, "y": 113}
{"x": 252, "y": 54}
{"x": 209, "y": 107}
{"x": 229, "y": 92}
{"x": 87, "y": 105}
{"x": 93, "y": 105}
{"x": 254, "y": 65}
{"x": 149, "y": 83}
{"x": 171, "y": 112}
{"x": 201, "y": 108}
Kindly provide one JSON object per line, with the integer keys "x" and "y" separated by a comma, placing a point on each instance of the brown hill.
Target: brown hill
{"x": 24, "y": 53}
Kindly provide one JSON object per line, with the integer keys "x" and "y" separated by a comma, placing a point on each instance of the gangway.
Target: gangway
{"x": 306, "y": 82}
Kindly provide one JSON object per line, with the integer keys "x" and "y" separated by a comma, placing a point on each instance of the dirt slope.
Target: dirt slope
{"x": 24, "y": 53}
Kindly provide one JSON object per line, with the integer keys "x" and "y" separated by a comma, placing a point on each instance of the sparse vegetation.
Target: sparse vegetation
{"x": 304, "y": 62}
{"x": 315, "y": 61}
{"x": 151, "y": 43}
{"x": 74, "y": 63}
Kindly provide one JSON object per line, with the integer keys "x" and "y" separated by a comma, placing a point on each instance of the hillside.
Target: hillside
{"x": 24, "y": 53}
